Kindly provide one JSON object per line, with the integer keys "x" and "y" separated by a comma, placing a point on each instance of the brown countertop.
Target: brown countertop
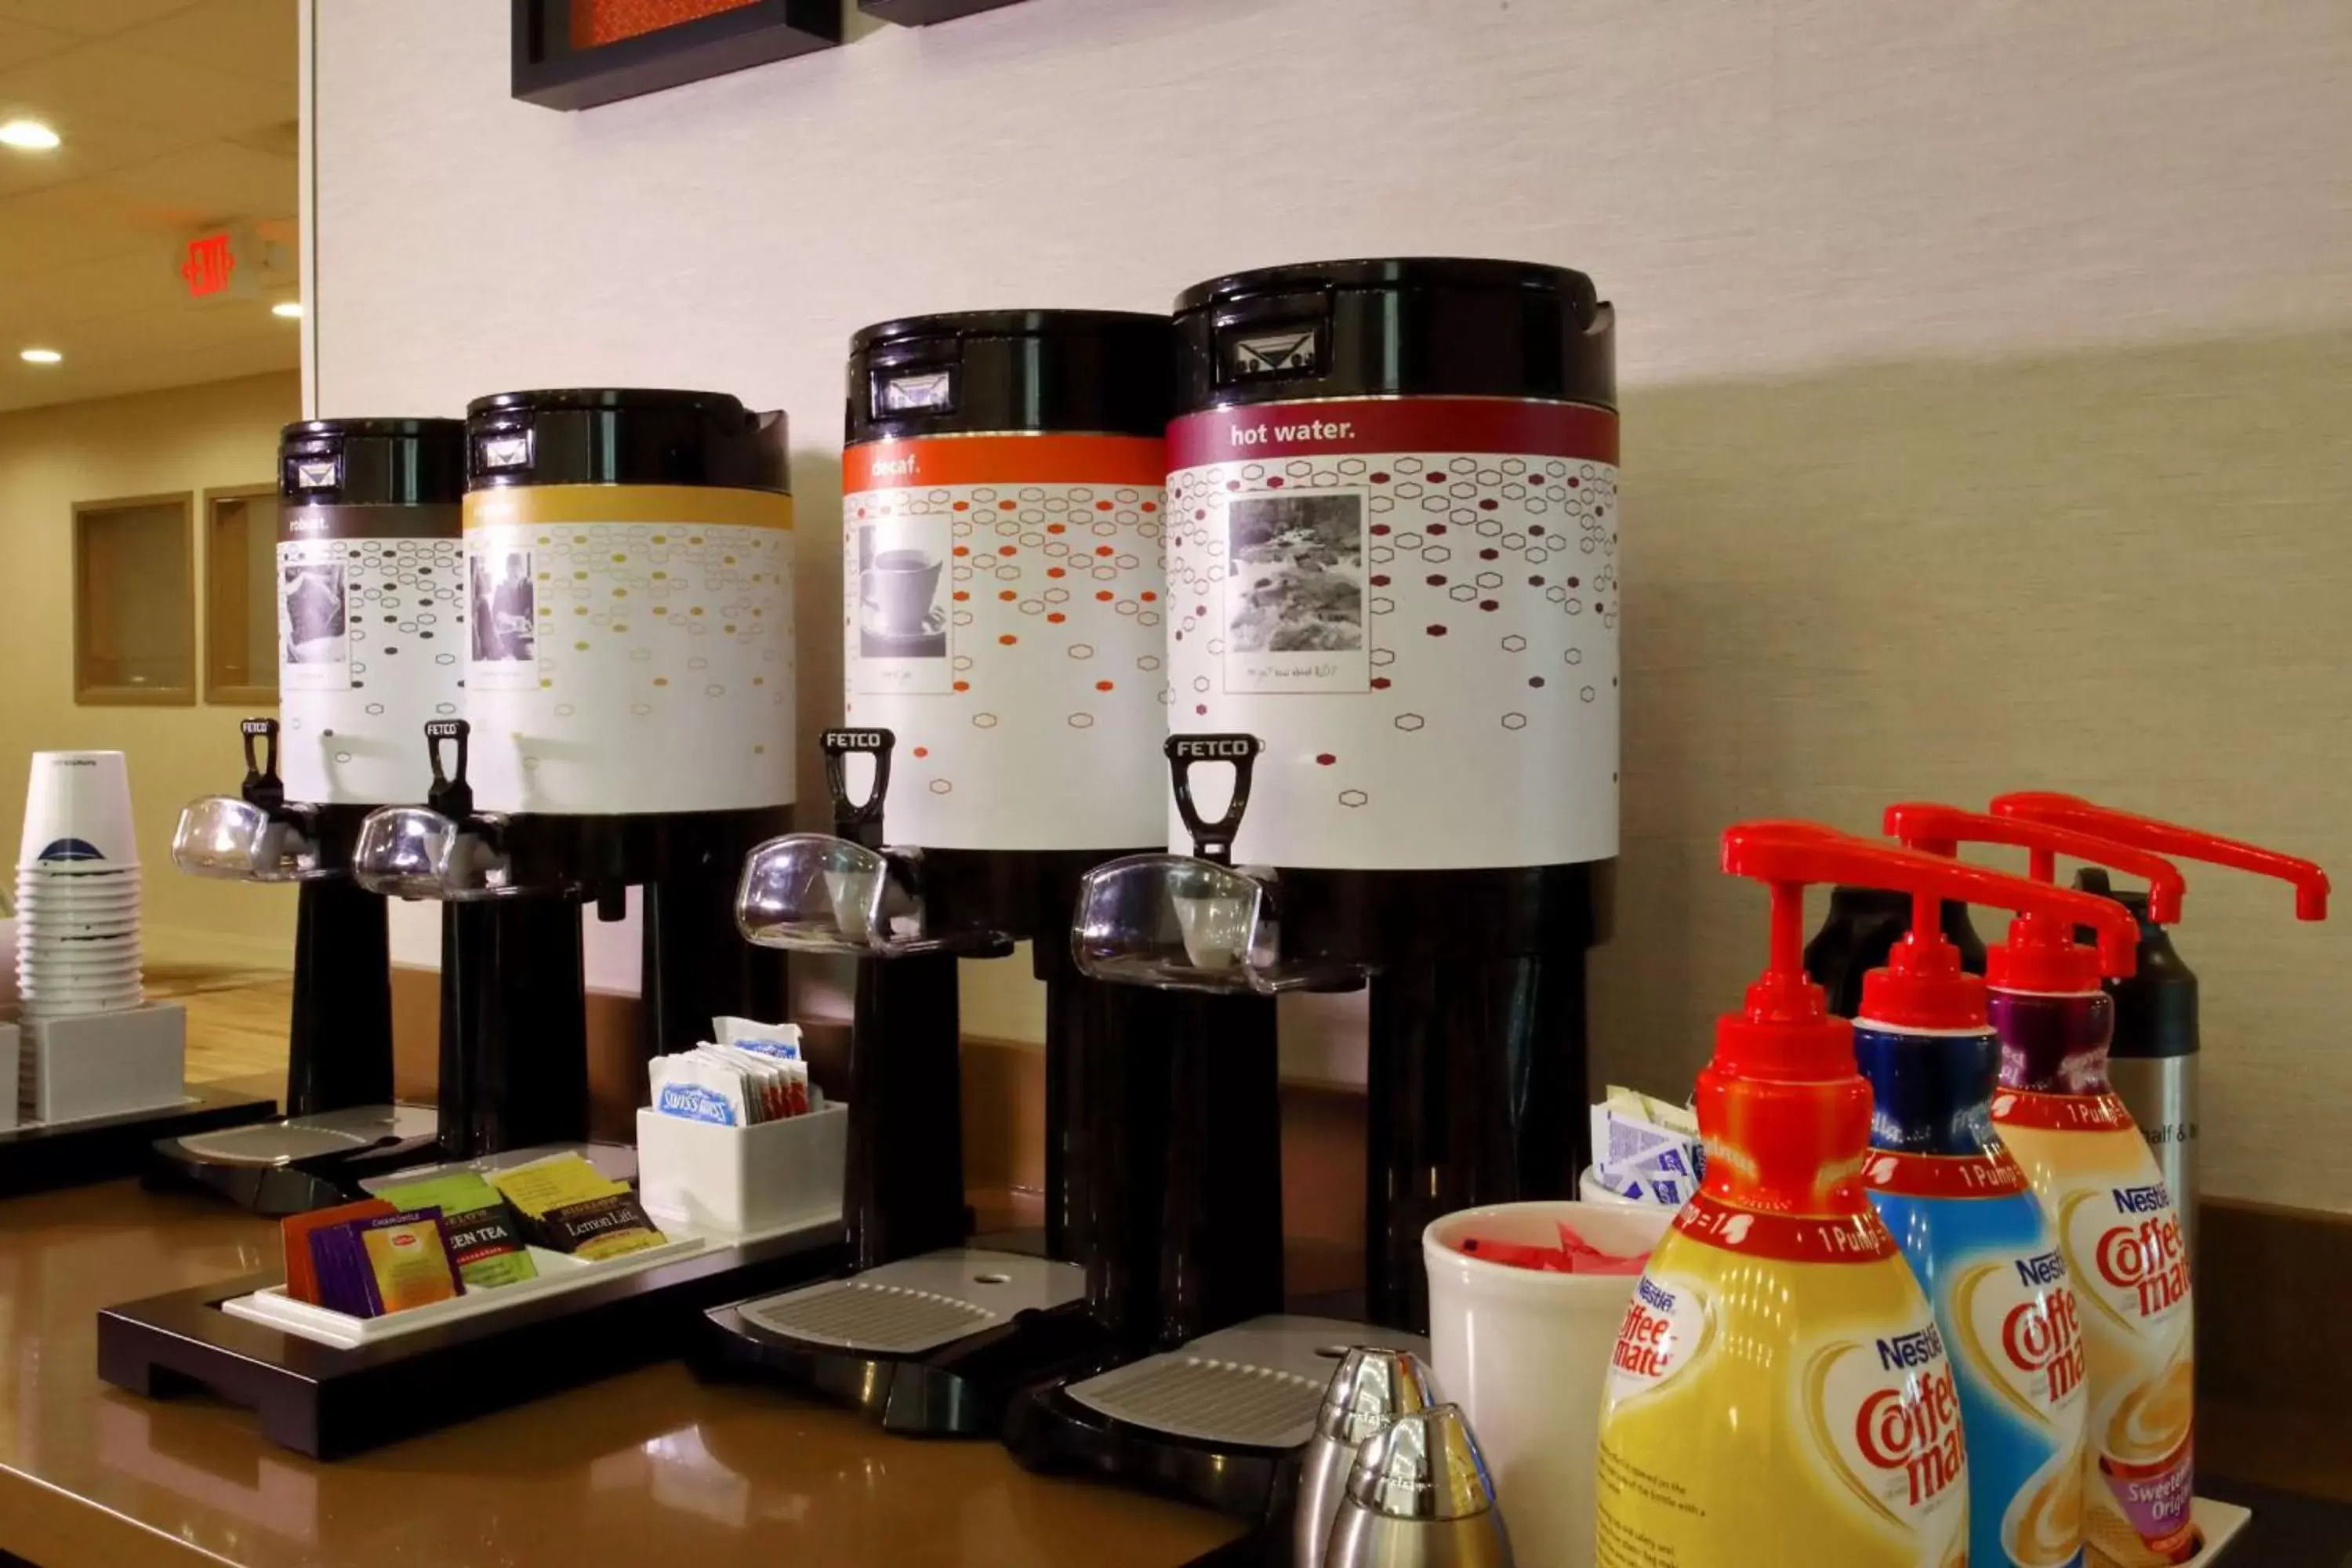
{"x": 650, "y": 1466}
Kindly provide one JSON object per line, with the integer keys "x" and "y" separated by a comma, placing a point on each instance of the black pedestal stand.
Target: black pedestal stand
{"x": 1106, "y": 1091}
{"x": 38, "y": 1158}
{"x": 338, "y": 1058}
{"x": 1210, "y": 1063}
{"x": 339, "y": 1040}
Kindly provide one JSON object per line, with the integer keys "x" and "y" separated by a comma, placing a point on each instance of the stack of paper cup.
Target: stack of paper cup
{"x": 78, "y": 888}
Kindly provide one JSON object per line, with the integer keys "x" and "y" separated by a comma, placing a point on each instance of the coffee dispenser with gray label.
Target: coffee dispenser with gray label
{"x": 368, "y": 558}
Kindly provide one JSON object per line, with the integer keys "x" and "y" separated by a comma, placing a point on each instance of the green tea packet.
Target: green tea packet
{"x": 483, "y": 1234}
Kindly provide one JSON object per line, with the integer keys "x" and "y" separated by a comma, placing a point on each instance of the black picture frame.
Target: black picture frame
{"x": 548, "y": 72}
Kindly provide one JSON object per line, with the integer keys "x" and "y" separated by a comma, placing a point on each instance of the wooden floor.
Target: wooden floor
{"x": 237, "y": 1023}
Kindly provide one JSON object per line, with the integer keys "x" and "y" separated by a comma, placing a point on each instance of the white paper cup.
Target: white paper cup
{"x": 32, "y": 1009}
{"x": 1526, "y": 1354}
{"x": 67, "y": 971}
{"x": 91, "y": 988}
{"x": 61, "y": 982}
{"x": 110, "y": 960}
{"x": 70, "y": 904}
{"x": 45, "y": 934}
{"x": 77, "y": 812}
{"x": 126, "y": 904}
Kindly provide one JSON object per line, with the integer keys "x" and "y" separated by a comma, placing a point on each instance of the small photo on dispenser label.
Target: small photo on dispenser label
{"x": 1294, "y": 599}
{"x": 901, "y": 611}
{"x": 314, "y": 626}
{"x": 503, "y": 610}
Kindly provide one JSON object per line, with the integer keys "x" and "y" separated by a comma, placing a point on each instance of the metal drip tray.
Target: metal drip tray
{"x": 1255, "y": 1385}
{"x": 308, "y": 1137}
{"x": 909, "y": 1308}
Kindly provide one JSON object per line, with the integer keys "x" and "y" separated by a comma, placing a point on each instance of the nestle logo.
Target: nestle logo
{"x": 2151, "y": 1199}
{"x": 1923, "y": 1347}
{"x": 2047, "y": 1270}
{"x": 1664, "y": 1301}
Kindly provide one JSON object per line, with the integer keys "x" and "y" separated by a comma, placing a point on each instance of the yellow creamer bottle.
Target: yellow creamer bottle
{"x": 1779, "y": 1395}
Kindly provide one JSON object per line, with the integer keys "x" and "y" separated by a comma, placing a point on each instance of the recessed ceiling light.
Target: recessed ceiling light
{"x": 40, "y": 356}
{"x": 27, "y": 136}
{"x": 289, "y": 309}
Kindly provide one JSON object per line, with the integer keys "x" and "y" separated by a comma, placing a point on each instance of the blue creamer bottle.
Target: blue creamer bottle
{"x": 1965, "y": 1214}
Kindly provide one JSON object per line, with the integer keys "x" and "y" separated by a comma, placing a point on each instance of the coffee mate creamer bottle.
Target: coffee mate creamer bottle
{"x": 2118, "y": 1228}
{"x": 1779, "y": 1395}
{"x": 2152, "y": 1063}
{"x": 1966, "y": 1216}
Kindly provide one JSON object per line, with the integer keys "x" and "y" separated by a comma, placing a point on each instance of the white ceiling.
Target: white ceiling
{"x": 175, "y": 115}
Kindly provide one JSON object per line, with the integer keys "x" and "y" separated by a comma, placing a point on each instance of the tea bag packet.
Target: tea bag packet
{"x": 543, "y": 1184}
{"x": 482, "y": 1232}
{"x": 296, "y": 1231}
{"x": 408, "y": 1260}
{"x": 567, "y": 1206}
{"x": 609, "y": 1226}
{"x": 1646, "y": 1149}
{"x": 384, "y": 1263}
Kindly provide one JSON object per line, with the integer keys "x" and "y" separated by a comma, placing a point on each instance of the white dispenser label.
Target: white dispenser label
{"x": 371, "y": 647}
{"x": 1413, "y": 602}
{"x": 1012, "y": 637}
{"x": 629, "y": 650}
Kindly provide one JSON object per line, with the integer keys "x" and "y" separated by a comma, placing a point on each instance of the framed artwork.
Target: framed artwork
{"x": 577, "y": 54}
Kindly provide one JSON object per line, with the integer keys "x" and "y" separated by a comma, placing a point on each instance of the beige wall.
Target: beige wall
{"x": 219, "y": 436}
{"x": 1985, "y": 369}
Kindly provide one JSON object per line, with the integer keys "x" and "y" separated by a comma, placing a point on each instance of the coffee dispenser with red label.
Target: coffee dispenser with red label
{"x": 1004, "y": 598}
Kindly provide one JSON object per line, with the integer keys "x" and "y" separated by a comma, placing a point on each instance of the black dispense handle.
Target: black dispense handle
{"x": 859, "y": 823}
{"x": 263, "y": 787}
{"x": 1213, "y": 841}
{"x": 450, "y": 795}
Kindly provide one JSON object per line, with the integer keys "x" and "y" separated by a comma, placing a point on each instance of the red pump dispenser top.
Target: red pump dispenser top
{"x": 1921, "y": 985}
{"x": 1784, "y": 1112}
{"x": 2149, "y": 833}
{"x": 2040, "y": 952}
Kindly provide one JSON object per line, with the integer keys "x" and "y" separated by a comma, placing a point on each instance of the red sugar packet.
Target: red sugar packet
{"x": 1574, "y": 1254}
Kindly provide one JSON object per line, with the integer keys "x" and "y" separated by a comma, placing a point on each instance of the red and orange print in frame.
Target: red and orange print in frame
{"x": 598, "y": 22}
{"x": 578, "y": 54}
